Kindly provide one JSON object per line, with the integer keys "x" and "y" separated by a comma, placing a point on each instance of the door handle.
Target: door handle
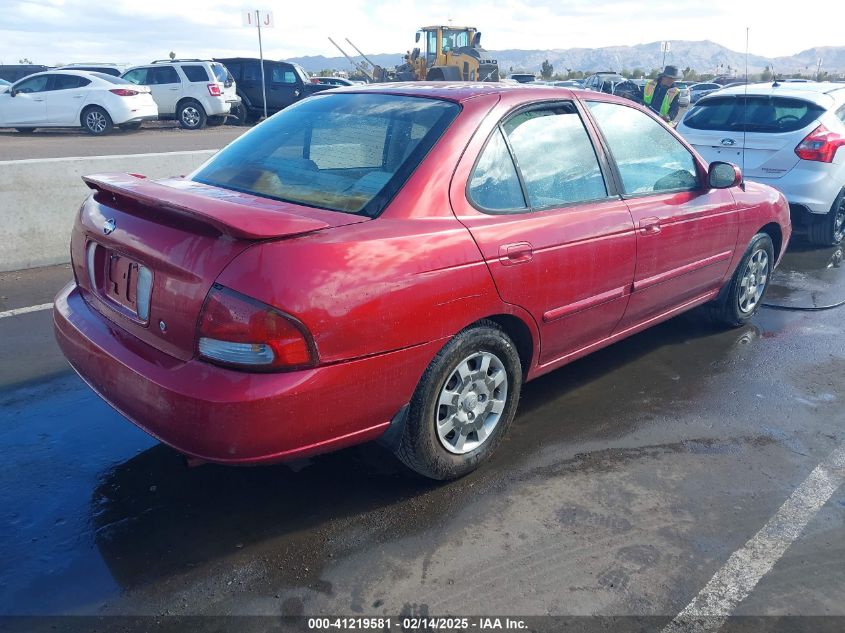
{"x": 649, "y": 226}
{"x": 78, "y": 96}
{"x": 517, "y": 253}
{"x": 38, "y": 99}
{"x": 174, "y": 88}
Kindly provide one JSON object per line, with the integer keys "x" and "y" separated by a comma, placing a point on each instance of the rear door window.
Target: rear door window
{"x": 555, "y": 156}
{"x": 760, "y": 114}
{"x": 67, "y": 82}
{"x": 195, "y": 73}
{"x": 252, "y": 71}
{"x": 162, "y": 75}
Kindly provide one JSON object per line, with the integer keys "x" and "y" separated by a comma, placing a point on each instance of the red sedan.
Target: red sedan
{"x": 394, "y": 262}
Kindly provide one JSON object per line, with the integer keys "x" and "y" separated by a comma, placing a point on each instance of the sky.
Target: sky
{"x": 136, "y": 31}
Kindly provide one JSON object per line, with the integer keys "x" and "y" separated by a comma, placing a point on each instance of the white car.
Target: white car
{"x": 685, "y": 95}
{"x": 193, "y": 91}
{"x": 74, "y": 98}
{"x": 793, "y": 140}
{"x": 702, "y": 90}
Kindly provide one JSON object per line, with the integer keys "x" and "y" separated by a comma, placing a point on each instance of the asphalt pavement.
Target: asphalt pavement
{"x": 157, "y": 137}
{"x": 660, "y": 471}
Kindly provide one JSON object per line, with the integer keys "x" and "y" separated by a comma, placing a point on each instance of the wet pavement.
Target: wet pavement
{"x": 627, "y": 480}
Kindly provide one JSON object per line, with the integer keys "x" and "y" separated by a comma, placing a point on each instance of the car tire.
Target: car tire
{"x": 742, "y": 297}
{"x": 191, "y": 115}
{"x": 479, "y": 372}
{"x": 136, "y": 125}
{"x": 214, "y": 121}
{"x": 25, "y": 130}
{"x": 829, "y": 230}
{"x": 96, "y": 121}
{"x": 238, "y": 115}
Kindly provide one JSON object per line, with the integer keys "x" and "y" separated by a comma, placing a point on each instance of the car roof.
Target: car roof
{"x": 821, "y": 93}
{"x": 463, "y": 91}
{"x": 79, "y": 73}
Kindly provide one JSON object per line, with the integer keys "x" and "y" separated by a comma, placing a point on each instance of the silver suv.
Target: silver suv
{"x": 193, "y": 91}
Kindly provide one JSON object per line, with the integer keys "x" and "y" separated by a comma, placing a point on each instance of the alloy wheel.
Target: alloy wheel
{"x": 839, "y": 222}
{"x": 753, "y": 282}
{"x": 471, "y": 402}
{"x": 190, "y": 116}
{"x": 95, "y": 121}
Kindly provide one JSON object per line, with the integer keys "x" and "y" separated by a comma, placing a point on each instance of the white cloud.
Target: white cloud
{"x": 51, "y": 31}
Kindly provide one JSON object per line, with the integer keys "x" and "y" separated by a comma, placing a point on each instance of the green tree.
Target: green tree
{"x": 25, "y": 60}
{"x": 637, "y": 73}
{"x": 766, "y": 75}
{"x": 546, "y": 70}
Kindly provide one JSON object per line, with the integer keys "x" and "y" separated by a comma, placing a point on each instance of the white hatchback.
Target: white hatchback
{"x": 75, "y": 98}
{"x": 787, "y": 135}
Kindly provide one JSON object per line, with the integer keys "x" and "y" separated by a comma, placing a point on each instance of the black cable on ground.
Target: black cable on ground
{"x": 775, "y": 306}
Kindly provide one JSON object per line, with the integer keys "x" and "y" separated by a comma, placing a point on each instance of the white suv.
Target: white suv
{"x": 792, "y": 140}
{"x": 192, "y": 91}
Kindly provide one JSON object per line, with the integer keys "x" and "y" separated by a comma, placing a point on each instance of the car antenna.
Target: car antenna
{"x": 745, "y": 110}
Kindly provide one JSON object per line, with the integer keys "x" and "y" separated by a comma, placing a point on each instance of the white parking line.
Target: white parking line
{"x": 17, "y": 311}
{"x": 24, "y": 161}
{"x": 744, "y": 569}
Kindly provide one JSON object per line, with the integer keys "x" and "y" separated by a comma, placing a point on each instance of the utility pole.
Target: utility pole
{"x": 257, "y": 17}
{"x": 819, "y": 70}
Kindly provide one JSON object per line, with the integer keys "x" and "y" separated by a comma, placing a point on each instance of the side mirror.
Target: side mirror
{"x": 417, "y": 39}
{"x": 476, "y": 39}
{"x": 723, "y": 175}
{"x": 12, "y": 93}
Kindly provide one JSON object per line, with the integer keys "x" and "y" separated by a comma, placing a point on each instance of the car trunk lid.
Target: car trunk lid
{"x": 146, "y": 253}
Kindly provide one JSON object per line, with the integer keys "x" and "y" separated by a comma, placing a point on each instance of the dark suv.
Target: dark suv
{"x": 13, "y": 72}
{"x": 286, "y": 83}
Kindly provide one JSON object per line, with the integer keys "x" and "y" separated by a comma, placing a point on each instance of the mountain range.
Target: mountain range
{"x": 703, "y": 56}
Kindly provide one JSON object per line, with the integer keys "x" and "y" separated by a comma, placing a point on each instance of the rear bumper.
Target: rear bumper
{"x": 226, "y": 416}
{"x": 121, "y": 115}
{"x": 809, "y": 185}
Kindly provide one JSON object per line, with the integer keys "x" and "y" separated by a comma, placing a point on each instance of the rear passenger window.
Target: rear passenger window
{"x": 556, "y": 157}
{"x": 494, "y": 184}
{"x": 66, "y": 82}
{"x": 252, "y": 71}
{"x": 649, "y": 157}
{"x": 162, "y": 75}
{"x": 195, "y": 73}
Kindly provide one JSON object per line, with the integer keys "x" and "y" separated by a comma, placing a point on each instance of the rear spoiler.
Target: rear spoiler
{"x": 247, "y": 218}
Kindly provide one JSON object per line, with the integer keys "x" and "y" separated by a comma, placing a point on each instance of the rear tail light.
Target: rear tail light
{"x": 124, "y": 92}
{"x": 820, "y": 145}
{"x": 215, "y": 90}
{"x": 238, "y": 331}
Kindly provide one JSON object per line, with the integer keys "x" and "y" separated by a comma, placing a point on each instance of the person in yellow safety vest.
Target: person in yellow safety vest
{"x": 660, "y": 96}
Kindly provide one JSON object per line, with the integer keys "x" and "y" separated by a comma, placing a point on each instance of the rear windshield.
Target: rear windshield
{"x": 763, "y": 114}
{"x": 220, "y": 72}
{"x": 342, "y": 152}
